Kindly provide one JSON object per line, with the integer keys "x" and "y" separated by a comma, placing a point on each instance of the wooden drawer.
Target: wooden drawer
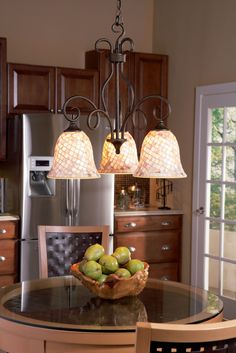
{"x": 147, "y": 223}
{"x": 164, "y": 271}
{"x": 8, "y": 229}
{"x": 6, "y": 280}
{"x": 8, "y": 256}
{"x": 151, "y": 246}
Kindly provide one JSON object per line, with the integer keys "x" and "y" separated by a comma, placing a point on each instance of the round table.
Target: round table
{"x": 58, "y": 315}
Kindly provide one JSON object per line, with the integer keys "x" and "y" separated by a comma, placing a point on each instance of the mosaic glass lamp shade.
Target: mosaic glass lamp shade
{"x": 125, "y": 162}
{"x": 73, "y": 157}
{"x": 160, "y": 156}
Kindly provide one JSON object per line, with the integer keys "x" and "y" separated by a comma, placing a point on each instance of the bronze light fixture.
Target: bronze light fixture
{"x": 73, "y": 157}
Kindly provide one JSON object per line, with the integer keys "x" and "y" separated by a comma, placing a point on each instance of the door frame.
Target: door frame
{"x": 197, "y": 264}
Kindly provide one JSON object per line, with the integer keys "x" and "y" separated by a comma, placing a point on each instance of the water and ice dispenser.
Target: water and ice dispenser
{"x": 39, "y": 184}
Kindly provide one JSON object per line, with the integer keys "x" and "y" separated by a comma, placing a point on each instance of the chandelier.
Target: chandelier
{"x": 73, "y": 154}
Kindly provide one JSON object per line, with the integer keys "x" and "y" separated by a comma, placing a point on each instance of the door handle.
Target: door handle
{"x": 200, "y": 211}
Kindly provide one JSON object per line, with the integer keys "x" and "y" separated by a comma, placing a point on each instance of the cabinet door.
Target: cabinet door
{"x": 3, "y": 99}
{"x": 31, "y": 89}
{"x": 71, "y": 82}
{"x": 150, "y": 77}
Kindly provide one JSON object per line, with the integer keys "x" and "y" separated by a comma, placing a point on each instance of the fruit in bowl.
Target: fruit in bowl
{"x": 111, "y": 276}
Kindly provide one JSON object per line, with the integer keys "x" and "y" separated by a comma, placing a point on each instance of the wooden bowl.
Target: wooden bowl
{"x": 114, "y": 287}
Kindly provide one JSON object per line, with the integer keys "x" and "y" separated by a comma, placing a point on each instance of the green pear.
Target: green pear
{"x": 92, "y": 269}
{"x": 122, "y": 254}
{"x": 94, "y": 252}
{"x": 109, "y": 264}
{"x": 102, "y": 279}
{"x": 123, "y": 273}
{"x": 81, "y": 265}
{"x": 134, "y": 266}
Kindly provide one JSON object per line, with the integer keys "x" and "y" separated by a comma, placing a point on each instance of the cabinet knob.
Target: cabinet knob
{"x": 2, "y": 231}
{"x": 165, "y": 247}
{"x": 131, "y": 249}
{"x": 130, "y": 225}
{"x": 164, "y": 278}
{"x": 59, "y": 110}
{"x": 51, "y": 110}
{"x": 165, "y": 223}
{"x": 2, "y": 258}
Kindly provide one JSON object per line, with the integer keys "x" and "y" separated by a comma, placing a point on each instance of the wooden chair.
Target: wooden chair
{"x": 61, "y": 246}
{"x": 217, "y": 337}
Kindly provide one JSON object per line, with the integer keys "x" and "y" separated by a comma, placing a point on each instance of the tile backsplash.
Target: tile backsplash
{"x": 125, "y": 181}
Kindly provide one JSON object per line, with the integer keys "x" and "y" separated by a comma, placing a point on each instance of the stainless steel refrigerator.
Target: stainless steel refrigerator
{"x": 39, "y": 200}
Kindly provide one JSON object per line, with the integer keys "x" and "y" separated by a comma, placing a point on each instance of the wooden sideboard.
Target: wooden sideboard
{"x": 156, "y": 240}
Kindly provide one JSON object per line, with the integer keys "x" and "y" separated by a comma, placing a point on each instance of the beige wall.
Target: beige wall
{"x": 58, "y": 32}
{"x": 199, "y": 37}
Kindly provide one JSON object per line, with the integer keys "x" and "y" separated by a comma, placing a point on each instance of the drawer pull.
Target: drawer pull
{"x": 131, "y": 249}
{"x": 165, "y": 278}
{"x": 165, "y": 247}
{"x": 130, "y": 225}
{"x": 165, "y": 223}
{"x": 2, "y": 231}
{"x": 2, "y": 258}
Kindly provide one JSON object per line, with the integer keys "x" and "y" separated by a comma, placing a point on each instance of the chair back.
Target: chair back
{"x": 61, "y": 246}
{"x": 217, "y": 337}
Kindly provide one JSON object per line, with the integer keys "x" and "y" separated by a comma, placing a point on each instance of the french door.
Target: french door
{"x": 214, "y": 194}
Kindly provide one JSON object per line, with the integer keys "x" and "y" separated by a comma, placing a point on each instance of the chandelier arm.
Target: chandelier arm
{"x": 130, "y": 91}
{"x": 104, "y": 86}
{"x": 144, "y": 99}
{"x": 70, "y": 116}
{"x": 105, "y": 114}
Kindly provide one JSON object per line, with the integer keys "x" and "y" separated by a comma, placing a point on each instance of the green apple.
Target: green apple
{"x": 109, "y": 264}
{"x": 92, "y": 269}
{"x": 122, "y": 254}
{"x": 123, "y": 273}
{"x": 134, "y": 266}
{"x": 94, "y": 252}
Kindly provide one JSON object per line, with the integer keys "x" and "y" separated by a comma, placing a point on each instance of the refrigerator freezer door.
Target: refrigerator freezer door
{"x": 40, "y": 132}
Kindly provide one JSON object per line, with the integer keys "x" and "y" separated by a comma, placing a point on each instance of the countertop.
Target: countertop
{"x": 8, "y": 217}
{"x": 145, "y": 211}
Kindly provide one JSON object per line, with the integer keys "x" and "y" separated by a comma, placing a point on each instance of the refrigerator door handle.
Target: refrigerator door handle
{"x": 69, "y": 188}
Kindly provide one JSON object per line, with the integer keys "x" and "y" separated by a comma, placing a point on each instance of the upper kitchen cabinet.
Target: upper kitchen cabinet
{"x": 31, "y": 89}
{"x": 72, "y": 82}
{"x": 40, "y": 89}
{"x": 3, "y": 97}
{"x": 148, "y": 73}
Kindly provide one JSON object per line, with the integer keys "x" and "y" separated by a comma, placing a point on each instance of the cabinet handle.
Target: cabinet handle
{"x": 164, "y": 278}
{"x": 131, "y": 249}
{"x": 51, "y": 110}
{"x": 2, "y": 231}
{"x": 59, "y": 110}
{"x": 165, "y": 247}
{"x": 130, "y": 225}
{"x": 166, "y": 223}
{"x": 2, "y": 258}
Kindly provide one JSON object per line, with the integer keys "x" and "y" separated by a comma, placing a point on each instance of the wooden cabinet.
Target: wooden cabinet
{"x": 3, "y": 97}
{"x": 40, "y": 89}
{"x": 148, "y": 73}
{"x": 8, "y": 252}
{"x": 156, "y": 239}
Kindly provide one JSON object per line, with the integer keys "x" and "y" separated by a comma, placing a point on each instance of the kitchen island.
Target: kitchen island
{"x": 59, "y": 315}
